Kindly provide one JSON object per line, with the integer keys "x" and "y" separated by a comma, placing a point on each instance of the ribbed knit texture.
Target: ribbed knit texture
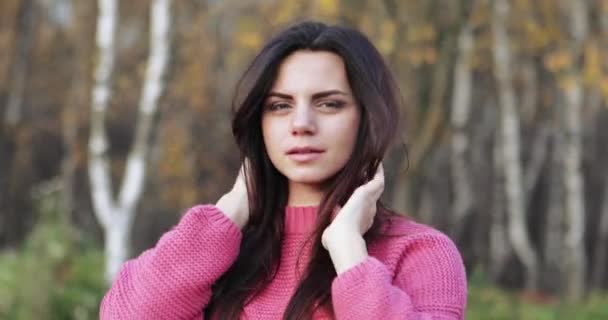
{"x": 415, "y": 274}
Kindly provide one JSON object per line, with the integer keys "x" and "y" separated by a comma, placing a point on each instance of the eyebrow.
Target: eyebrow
{"x": 315, "y": 96}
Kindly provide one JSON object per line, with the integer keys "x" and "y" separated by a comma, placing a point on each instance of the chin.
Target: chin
{"x": 308, "y": 175}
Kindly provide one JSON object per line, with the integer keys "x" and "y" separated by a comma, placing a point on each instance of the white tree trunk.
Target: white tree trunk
{"x": 461, "y": 108}
{"x": 160, "y": 20}
{"x": 576, "y": 258}
{"x": 116, "y": 217}
{"x": 99, "y": 174}
{"x": 509, "y": 132}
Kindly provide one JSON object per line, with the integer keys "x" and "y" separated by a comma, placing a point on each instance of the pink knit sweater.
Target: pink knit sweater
{"x": 416, "y": 276}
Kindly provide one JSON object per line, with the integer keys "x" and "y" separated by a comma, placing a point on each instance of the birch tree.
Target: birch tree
{"x": 461, "y": 108}
{"x": 510, "y": 140}
{"x": 116, "y": 215}
{"x": 575, "y": 259}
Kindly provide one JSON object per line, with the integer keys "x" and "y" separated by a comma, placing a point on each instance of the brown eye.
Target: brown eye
{"x": 277, "y": 106}
{"x": 332, "y": 104}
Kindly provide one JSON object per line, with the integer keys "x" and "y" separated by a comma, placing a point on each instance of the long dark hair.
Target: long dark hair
{"x": 377, "y": 95}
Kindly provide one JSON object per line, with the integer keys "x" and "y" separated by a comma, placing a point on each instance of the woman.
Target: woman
{"x": 302, "y": 233}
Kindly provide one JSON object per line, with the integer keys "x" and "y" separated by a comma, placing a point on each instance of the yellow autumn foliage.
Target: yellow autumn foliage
{"x": 328, "y": 8}
{"x": 558, "y": 61}
{"x": 386, "y": 41}
{"x": 592, "y": 68}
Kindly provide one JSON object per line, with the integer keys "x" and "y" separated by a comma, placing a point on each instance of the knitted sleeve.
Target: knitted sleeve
{"x": 429, "y": 283}
{"x": 173, "y": 280}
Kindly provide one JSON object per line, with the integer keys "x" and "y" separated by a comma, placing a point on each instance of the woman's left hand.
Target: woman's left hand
{"x": 343, "y": 238}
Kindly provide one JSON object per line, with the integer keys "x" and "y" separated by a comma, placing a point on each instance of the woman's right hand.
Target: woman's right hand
{"x": 235, "y": 204}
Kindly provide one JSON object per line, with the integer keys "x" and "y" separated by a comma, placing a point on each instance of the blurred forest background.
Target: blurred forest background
{"x": 115, "y": 118}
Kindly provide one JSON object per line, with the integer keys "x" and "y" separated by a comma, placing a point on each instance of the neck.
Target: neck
{"x": 300, "y": 219}
{"x": 304, "y": 195}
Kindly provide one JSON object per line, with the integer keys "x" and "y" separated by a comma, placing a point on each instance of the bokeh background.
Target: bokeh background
{"x": 505, "y": 125}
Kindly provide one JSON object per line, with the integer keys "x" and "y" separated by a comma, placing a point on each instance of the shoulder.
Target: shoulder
{"x": 424, "y": 262}
{"x": 404, "y": 242}
{"x": 405, "y": 229}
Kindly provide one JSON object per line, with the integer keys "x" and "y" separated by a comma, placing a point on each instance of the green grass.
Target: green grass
{"x": 490, "y": 303}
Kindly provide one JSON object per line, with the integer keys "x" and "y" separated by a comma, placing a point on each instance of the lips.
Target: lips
{"x": 304, "y": 154}
{"x": 304, "y": 150}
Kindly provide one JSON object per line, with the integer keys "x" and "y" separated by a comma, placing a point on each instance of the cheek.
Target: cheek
{"x": 346, "y": 134}
{"x": 270, "y": 136}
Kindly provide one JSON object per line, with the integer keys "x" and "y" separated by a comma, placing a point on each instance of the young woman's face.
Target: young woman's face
{"x": 310, "y": 119}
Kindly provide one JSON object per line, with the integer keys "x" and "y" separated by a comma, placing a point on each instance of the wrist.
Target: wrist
{"x": 336, "y": 237}
{"x": 231, "y": 207}
{"x": 346, "y": 250}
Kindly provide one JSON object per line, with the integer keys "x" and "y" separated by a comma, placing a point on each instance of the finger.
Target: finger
{"x": 243, "y": 172}
{"x": 376, "y": 184}
{"x": 379, "y": 173}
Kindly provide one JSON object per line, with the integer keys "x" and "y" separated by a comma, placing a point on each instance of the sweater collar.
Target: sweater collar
{"x": 300, "y": 219}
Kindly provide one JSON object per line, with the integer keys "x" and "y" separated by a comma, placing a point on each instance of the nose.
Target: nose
{"x": 303, "y": 121}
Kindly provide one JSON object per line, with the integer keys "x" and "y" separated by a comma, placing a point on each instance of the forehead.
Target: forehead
{"x": 311, "y": 71}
